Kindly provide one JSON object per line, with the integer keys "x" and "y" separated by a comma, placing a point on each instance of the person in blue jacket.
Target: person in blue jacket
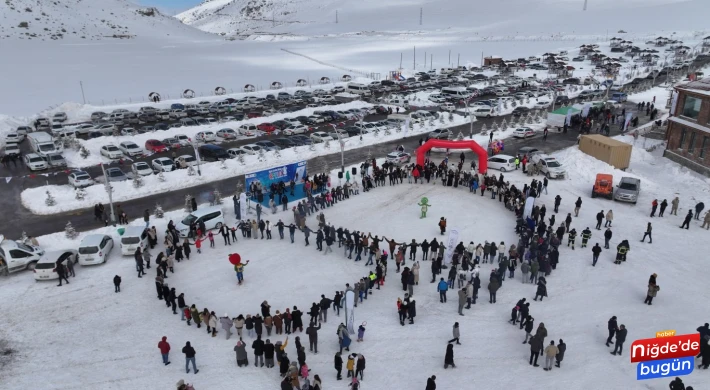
{"x": 442, "y": 287}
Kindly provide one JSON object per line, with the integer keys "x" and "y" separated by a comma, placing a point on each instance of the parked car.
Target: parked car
{"x": 141, "y": 168}
{"x": 18, "y": 256}
{"x": 111, "y": 151}
{"x": 80, "y": 179}
{"x": 129, "y": 148}
{"x": 248, "y": 130}
{"x": 320, "y": 136}
{"x": 59, "y": 117}
{"x": 399, "y": 157}
{"x": 251, "y": 148}
{"x": 205, "y": 136}
{"x": 268, "y": 145}
{"x": 284, "y": 143}
{"x": 227, "y": 133}
{"x": 528, "y": 151}
{"x": 12, "y": 149}
{"x": 235, "y": 152}
{"x": 301, "y": 139}
{"x": 501, "y": 162}
{"x": 171, "y": 143}
{"x": 184, "y": 161}
{"x": 55, "y": 160}
{"x": 603, "y": 186}
{"x": 94, "y": 249}
{"x": 521, "y": 110}
{"x": 523, "y": 132}
{"x": 628, "y": 190}
{"x": 46, "y": 267}
{"x": 212, "y": 153}
{"x": 115, "y": 174}
{"x": 266, "y": 127}
{"x": 295, "y": 129}
{"x": 163, "y": 164}
{"x": 155, "y": 146}
{"x": 35, "y": 162}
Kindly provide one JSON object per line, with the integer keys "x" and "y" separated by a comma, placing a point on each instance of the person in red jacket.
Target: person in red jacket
{"x": 416, "y": 174}
{"x": 198, "y": 243}
{"x": 164, "y": 350}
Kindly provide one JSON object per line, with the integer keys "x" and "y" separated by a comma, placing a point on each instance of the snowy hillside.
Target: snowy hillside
{"x": 84, "y": 19}
{"x": 476, "y": 18}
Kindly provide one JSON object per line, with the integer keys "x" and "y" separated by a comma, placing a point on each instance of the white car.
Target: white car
{"x": 111, "y": 151}
{"x": 365, "y": 127}
{"x": 46, "y": 267}
{"x": 228, "y": 119}
{"x": 436, "y": 98}
{"x": 227, "y": 133}
{"x": 182, "y": 139}
{"x": 205, "y": 136}
{"x": 163, "y": 164}
{"x": 447, "y": 107}
{"x": 320, "y": 136}
{"x": 94, "y": 249}
{"x": 14, "y": 138}
{"x": 295, "y": 129}
{"x": 35, "y": 162}
{"x": 128, "y": 131}
{"x": 251, "y": 148}
{"x": 24, "y": 130}
{"x": 399, "y": 158}
{"x": 12, "y": 149}
{"x": 549, "y": 166}
{"x": 129, "y": 148}
{"x": 177, "y": 113}
{"x": 501, "y": 162}
{"x": 316, "y": 119}
{"x": 523, "y": 132}
{"x": 185, "y": 161}
{"x": 141, "y": 168}
{"x": 235, "y": 152}
{"x": 78, "y": 179}
{"x": 59, "y": 117}
{"x": 541, "y": 104}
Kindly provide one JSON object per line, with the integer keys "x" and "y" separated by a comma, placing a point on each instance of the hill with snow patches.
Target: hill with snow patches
{"x": 474, "y": 17}
{"x": 84, "y": 20}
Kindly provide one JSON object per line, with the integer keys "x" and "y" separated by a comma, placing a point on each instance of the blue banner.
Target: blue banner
{"x": 263, "y": 179}
{"x": 665, "y": 368}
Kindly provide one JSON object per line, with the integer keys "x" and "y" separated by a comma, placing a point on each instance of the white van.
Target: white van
{"x": 42, "y": 143}
{"x": 359, "y": 89}
{"x": 459, "y": 92}
{"x": 481, "y": 111}
{"x": 399, "y": 102}
{"x": 213, "y": 218}
{"x": 133, "y": 238}
{"x": 94, "y": 249}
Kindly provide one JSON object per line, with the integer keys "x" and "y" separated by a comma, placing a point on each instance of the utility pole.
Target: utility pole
{"x": 458, "y": 61}
{"x": 585, "y": 5}
{"x": 401, "y": 55}
{"x": 109, "y": 190}
{"x": 431, "y": 61}
{"x": 273, "y": 19}
{"x": 449, "y": 57}
{"x": 414, "y": 59}
{"x": 421, "y": 15}
{"x": 424, "y": 60}
{"x": 81, "y": 85}
{"x": 336, "y": 16}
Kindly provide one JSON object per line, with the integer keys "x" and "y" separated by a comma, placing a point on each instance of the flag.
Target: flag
{"x": 451, "y": 245}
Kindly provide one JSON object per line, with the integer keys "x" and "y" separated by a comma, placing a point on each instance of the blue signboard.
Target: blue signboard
{"x": 286, "y": 173}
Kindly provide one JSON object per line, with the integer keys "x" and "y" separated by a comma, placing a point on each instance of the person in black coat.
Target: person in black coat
{"x": 286, "y": 384}
{"x": 258, "y": 346}
{"x": 561, "y": 348}
{"x": 411, "y": 311}
{"x": 596, "y": 250}
{"x": 338, "y": 364}
{"x": 541, "y": 289}
{"x": 193, "y": 203}
{"x": 620, "y": 338}
{"x": 269, "y": 350}
{"x": 449, "y": 357}
{"x": 117, "y": 283}
{"x": 430, "y": 383}
{"x": 283, "y": 368}
{"x": 171, "y": 299}
{"x": 296, "y": 317}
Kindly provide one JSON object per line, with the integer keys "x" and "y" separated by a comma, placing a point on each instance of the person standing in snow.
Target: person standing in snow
{"x": 651, "y": 293}
{"x": 571, "y": 237}
{"x": 586, "y": 235}
{"x": 190, "y": 353}
{"x": 561, "y": 348}
{"x": 535, "y": 349}
{"x": 456, "y": 333}
{"x": 550, "y": 353}
{"x": 442, "y": 287}
{"x": 117, "y": 283}
{"x": 226, "y": 323}
{"x": 664, "y": 204}
{"x": 577, "y": 206}
{"x": 706, "y": 221}
{"x": 654, "y": 207}
{"x": 431, "y": 383}
{"x": 493, "y": 286}
{"x": 607, "y": 237}
{"x": 312, "y": 333}
{"x": 674, "y": 206}
{"x": 620, "y": 338}
{"x": 258, "y": 346}
{"x": 699, "y": 209}
{"x": 609, "y": 218}
{"x": 600, "y": 218}
{"x": 164, "y": 347}
{"x": 242, "y": 356}
{"x": 648, "y": 234}
{"x": 558, "y": 200}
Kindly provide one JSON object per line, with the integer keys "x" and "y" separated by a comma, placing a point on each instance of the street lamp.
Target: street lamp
{"x": 109, "y": 191}
{"x": 197, "y": 156}
{"x": 342, "y": 148}
{"x": 468, "y": 112}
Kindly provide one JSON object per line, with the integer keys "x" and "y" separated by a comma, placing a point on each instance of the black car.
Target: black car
{"x": 571, "y": 80}
{"x": 479, "y": 76}
{"x": 562, "y": 99}
{"x": 305, "y": 120}
{"x": 191, "y": 112}
{"x": 284, "y": 143}
{"x": 281, "y": 124}
{"x": 301, "y": 139}
{"x": 352, "y": 131}
{"x": 381, "y": 110}
{"x": 518, "y": 111}
{"x": 213, "y": 153}
{"x": 161, "y": 126}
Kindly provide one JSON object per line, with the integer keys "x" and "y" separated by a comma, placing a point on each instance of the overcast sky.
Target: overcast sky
{"x": 170, "y": 6}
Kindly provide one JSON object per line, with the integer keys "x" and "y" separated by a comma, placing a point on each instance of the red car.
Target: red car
{"x": 155, "y": 146}
{"x": 253, "y": 115}
{"x": 266, "y": 127}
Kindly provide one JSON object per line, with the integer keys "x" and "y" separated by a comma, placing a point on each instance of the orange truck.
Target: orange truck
{"x": 603, "y": 186}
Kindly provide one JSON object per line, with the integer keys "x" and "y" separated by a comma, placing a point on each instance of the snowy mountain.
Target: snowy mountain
{"x": 84, "y": 19}
{"x": 477, "y": 18}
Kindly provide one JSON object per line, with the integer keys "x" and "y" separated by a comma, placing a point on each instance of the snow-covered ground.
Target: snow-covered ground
{"x": 84, "y": 335}
{"x": 34, "y": 198}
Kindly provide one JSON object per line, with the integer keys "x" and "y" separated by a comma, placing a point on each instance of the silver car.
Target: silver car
{"x": 628, "y": 190}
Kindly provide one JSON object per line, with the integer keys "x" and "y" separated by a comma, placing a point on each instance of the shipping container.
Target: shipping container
{"x": 611, "y": 151}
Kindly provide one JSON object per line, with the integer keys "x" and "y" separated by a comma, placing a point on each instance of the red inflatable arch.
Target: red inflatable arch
{"x": 439, "y": 143}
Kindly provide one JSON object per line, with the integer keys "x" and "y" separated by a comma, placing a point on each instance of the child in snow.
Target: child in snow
{"x": 198, "y": 243}
{"x": 360, "y": 332}
{"x": 211, "y": 237}
{"x": 351, "y": 366}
